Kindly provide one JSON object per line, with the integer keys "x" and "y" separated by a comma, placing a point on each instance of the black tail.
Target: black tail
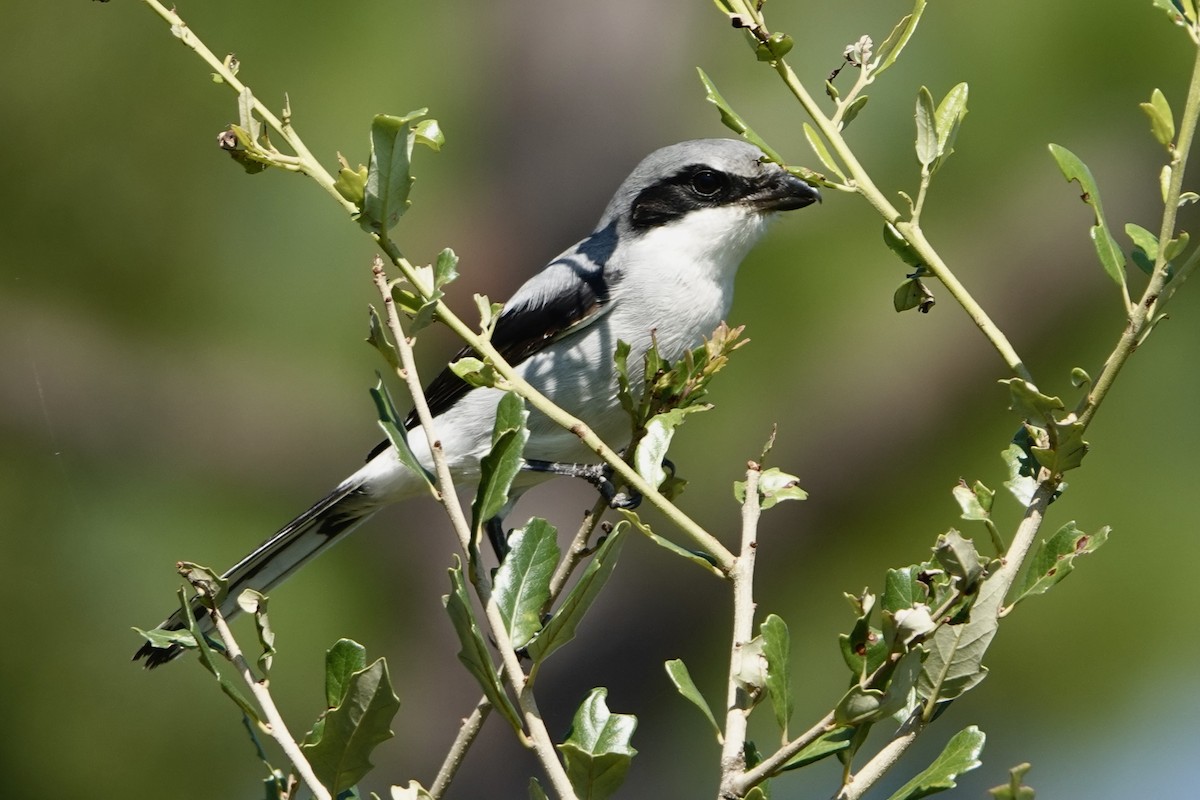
{"x": 302, "y": 539}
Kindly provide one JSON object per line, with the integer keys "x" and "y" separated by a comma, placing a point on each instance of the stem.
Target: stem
{"x": 539, "y": 738}
{"x": 305, "y": 161}
{"x": 738, "y": 705}
{"x": 909, "y": 229}
{"x": 1142, "y": 314}
{"x": 277, "y": 728}
{"x": 884, "y": 760}
{"x": 1022, "y": 542}
{"x": 467, "y": 733}
{"x": 408, "y": 372}
{"x": 576, "y": 551}
{"x": 770, "y": 765}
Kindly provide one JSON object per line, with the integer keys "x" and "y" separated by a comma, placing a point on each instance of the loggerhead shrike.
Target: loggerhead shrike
{"x": 659, "y": 267}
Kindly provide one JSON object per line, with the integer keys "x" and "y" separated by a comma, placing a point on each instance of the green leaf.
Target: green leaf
{"x": 825, "y": 745}
{"x": 522, "y": 583}
{"x": 859, "y": 705}
{"x": 429, "y": 133}
{"x": 500, "y": 466}
{"x": 1143, "y": 239}
{"x": 975, "y": 501}
{"x": 823, "y": 155}
{"x": 913, "y": 294}
{"x": 730, "y": 118}
{"x": 345, "y": 658}
{"x": 1055, "y": 557}
{"x": 1068, "y": 450}
{"x": 677, "y": 671}
{"x": 959, "y": 558}
{"x": 389, "y": 178}
{"x": 652, "y": 449}
{"x": 254, "y": 602}
{"x": 900, "y": 246}
{"x": 560, "y": 628}
{"x": 1015, "y": 789}
{"x": 536, "y": 792}
{"x": 352, "y": 729}
{"x": 864, "y": 704}
{"x": 246, "y": 119}
{"x": 414, "y": 791}
{"x": 1162, "y": 122}
{"x": 1029, "y": 403}
{"x": 927, "y": 136}
{"x": 774, "y": 486}
{"x": 351, "y": 183}
{"x": 393, "y": 426}
{"x": 163, "y": 638}
{"x": 776, "y": 47}
{"x": 1176, "y": 246}
{"x": 474, "y": 371}
{"x": 475, "y": 655}
{"x": 960, "y": 755}
{"x": 900, "y": 589}
{"x": 1022, "y": 471}
{"x": 954, "y": 664}
{"x": 889, "y": 51}
{"x": 597, "y": 753}
{"x": 208, "y": 656}
{"x": 1111, "y": 257}
{"x": 948, "y": 117}
{"x": 863, "y": 649}
{"x": 445, "y": 269}
{"x": 777, "y": 652}
{"x": 702, "y": 560}
{"x": 377, "y": 338}
{"x": 853, "y": 109}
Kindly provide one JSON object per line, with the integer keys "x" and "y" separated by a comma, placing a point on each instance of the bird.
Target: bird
{"x": 658, "y": 270}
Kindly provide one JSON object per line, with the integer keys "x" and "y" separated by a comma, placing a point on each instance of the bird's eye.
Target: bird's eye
{"x": 707, "y": 183}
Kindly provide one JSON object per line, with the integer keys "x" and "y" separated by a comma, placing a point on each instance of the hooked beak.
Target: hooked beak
{"x": 783, "y": 191}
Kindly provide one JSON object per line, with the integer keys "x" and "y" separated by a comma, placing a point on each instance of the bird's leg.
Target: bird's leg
{"x": 598, "y": 475}
{"x": 497, "y": 536}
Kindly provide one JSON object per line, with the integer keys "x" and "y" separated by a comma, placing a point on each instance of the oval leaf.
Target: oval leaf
{"x": 522, "y": 583}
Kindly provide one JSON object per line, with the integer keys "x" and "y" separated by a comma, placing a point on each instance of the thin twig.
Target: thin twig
{"x": 538, "y": 737}
{"x": 304, "y": 161}
{"x": 863, "y": 780}
{"x": 576, "y": 551}
{"x": 908, "y": 229}
{"x": 276, "y": 727}
{"x": 770, "y": 765}
{"x": 1142, "y": 314}
{"x": 467, "y": 733}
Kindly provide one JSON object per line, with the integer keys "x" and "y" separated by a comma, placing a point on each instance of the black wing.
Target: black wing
{"x": 568, "y": 294}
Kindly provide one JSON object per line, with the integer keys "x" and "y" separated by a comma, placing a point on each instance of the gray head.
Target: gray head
{"x": 699, "y": 174}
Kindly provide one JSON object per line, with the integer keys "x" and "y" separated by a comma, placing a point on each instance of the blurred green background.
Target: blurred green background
{"x": 184, "y": 371}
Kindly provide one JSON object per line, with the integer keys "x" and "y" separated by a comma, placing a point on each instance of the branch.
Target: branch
{"x": 305, "y": 162}
{"x": 1142, "y": 315}
{"x": 769, "y": 766}
{"x": 458, "y": 750}
{"x": 911, "y": 230}
{"x": 277, "y": 728}
{"x": 539, "y": 738}
{"x": 738, "y": 706}
{"x": 863, "y": 780}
